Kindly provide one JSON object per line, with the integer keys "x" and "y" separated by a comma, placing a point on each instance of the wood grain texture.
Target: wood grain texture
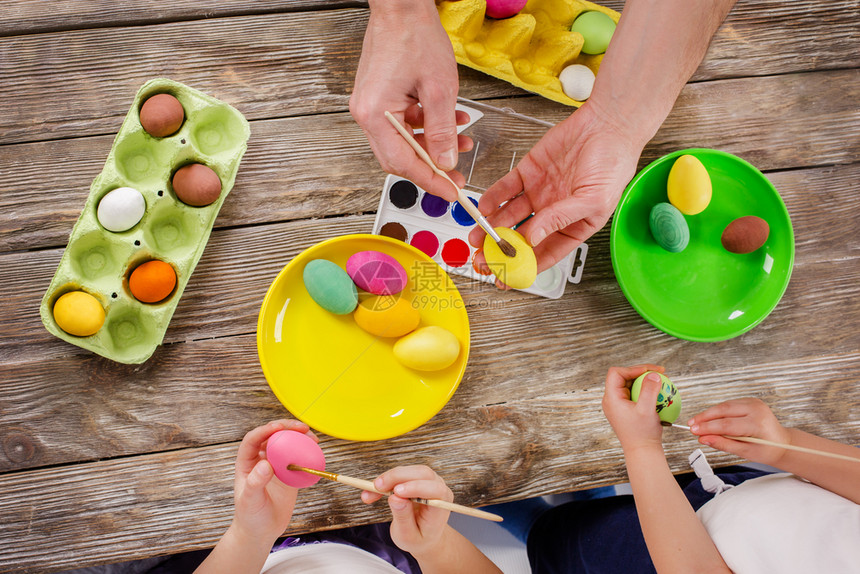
{"x": 554, "y": 443}
{"x": 101, "y": 462}
{"x": 274, "y": 65}
{"x": 288, "y": 174}
{"x": 35, "y": 17}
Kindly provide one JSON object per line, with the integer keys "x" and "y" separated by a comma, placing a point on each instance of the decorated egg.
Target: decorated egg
{"x": 376, "y": 272}
{"x": 689, "y": 185}
{"x": 427, "y": 349}
{"x": 596, "y": 28}
{"x": 504, "y": 8}
{"x": 196, "y": 184}
{"x": 121, "y": 209}
{"x": 330, "y": 287}
{"x": 387, "y": 316}
{"x": 288, "y": 447}
{"x": 669, "y": 227}
{"x": 152, "y": 281}
{"x": 79, "y": 313}
{"x": 577, "y": 81}
{"x": 518, "y": 271}
{"x": 161, "y": 115}
{"x": 745, "y": 234}
{"x": 668, "y": 400}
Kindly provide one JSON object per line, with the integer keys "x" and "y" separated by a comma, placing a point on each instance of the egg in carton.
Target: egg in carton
{"x": 133, "y": 215}
{"x": 529, "y": 49}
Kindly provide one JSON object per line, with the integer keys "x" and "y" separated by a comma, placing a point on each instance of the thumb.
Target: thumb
{"x": 440, "y": 131}
{"x": 254, "y": 494}
{"x": 650, "y": 389}
{"x": 402, "y": 518}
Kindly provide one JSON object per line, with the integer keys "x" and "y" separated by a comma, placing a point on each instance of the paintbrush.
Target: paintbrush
{"x": 508, "y": 249}
{"x": 367, "y": 485}
{"x": 766, "y": 442}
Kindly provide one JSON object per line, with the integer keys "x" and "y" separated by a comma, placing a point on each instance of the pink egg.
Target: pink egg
{"x": 290, "y": 447}
{"x": 376, "y": 272}
{"x": 504, "y": 8}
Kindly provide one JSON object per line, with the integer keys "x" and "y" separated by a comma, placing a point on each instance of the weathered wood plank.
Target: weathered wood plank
{"x": 277, "y": 65}
{"x": 550, "y": 444}
{"x": 288, "y": 172}
{"x": 37, "y": 17}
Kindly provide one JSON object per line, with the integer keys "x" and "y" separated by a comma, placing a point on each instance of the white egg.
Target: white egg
{"x": 577, "y": 82}
{"x": 121, "y": 209}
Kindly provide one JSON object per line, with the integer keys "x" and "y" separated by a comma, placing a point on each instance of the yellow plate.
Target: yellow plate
{"x": 336, "y": 377}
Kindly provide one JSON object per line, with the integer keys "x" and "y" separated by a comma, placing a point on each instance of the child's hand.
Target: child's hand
{"x": 741, "y": 417}
{"x": 636, "y": 424}
{"x": 264, "y": 506}
{"x": 415, "y": 528}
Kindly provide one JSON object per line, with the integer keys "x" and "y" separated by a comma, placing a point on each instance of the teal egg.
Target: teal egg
{"x": 330, "y": 287}
{"x": 596, "y": 28}
{"x": 668, "y": 401}
{"x": 669, "y": 227}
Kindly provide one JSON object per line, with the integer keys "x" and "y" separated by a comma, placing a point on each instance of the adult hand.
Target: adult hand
{"x": 636, "y": 424}
{"x": 416, "y": 528}
{"x": 407, "y": 59}
{"x": 741, "y": 417}
{"x": 571, "y": 180}
{"x": 264, "y": 505}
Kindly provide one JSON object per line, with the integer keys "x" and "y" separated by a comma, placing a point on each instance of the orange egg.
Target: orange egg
{"x": 152, "y": 281}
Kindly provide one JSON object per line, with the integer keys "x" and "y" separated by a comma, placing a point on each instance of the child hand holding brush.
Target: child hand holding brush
{"x": 808, "y": 521}
{"x": 264, "y": 506}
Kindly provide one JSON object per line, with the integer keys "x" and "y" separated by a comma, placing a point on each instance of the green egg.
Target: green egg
{"x": 668, "y": 401}
{"x": 596, "y": 28}
{"x": 330, "y": 287}
{"x": 669, "y": 227}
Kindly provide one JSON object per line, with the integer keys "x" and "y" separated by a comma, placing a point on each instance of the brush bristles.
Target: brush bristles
{"x": 508, "y": 249}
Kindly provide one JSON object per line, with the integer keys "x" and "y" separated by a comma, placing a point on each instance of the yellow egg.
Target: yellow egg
{"x": 78, "y": 313}
{"x": 428, "y": 349}
{"x": 689, "y": 185}
{"x": 518, "y": 271}
{"x": 387, "y": 316}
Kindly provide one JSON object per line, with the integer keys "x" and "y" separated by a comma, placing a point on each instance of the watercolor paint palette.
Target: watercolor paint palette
{"x": 100, "y": 262}
{"x": 528, "y": 50}
{"x": 440, "y": 229}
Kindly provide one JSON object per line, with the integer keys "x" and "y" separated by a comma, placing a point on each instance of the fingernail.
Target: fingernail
{"x": 694, "y": 428}
{"x": 448, "y": 160}
{"x": 654, "y": 377}
{"x": 707, "y": 442}
{"x": 398, "y": 490}
{"x": 378, "y": 483}
{"x": 691, "y": 422}
{"x": 398, "y": 503}
{"x": 538, "y": 236}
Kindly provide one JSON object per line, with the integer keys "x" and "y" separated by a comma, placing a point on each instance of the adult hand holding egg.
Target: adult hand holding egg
{"x": 571, "y": 180}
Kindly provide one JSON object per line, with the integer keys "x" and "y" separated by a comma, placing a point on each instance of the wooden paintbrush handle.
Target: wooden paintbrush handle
{"x": 765, "y": 442}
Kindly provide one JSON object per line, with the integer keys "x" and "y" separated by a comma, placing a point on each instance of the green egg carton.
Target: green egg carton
{"x": 529, "y": 49}
{"x": 99, "y": 262}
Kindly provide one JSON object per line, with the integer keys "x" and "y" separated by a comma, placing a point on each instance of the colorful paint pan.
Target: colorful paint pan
{"x": 441, "y": 229}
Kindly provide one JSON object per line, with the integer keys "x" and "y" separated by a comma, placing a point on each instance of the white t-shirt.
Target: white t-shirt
{"x": 779, "y": 523}
{"x": 326, "y": 558}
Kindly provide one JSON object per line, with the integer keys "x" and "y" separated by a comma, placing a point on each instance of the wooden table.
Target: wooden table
{"x": 102, "y": 462}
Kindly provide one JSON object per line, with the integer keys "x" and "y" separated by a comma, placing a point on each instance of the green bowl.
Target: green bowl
{"x": 703, "y": 293}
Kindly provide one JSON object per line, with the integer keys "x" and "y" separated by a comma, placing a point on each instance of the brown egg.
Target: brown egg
{"x": 196, "y": 184}
{"x": 161, "y": 115}
{"x": 745, "y": 234}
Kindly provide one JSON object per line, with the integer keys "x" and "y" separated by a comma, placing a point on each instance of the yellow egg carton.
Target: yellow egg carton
{"x": 99, "y": 262}
{"x": 529, "y": 50}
